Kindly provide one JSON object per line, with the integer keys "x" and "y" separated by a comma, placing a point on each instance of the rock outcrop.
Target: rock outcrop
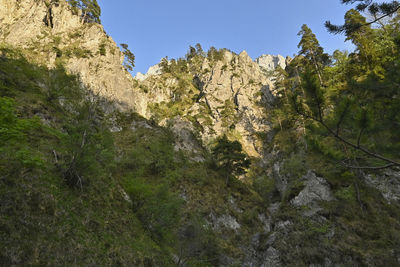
{"x": 270, "y": 62}
{"x": 153, "y": 70}
{"x": 231, "y": 93}
{"x": 230, "y": 97}
{"x": 83, "y": 49}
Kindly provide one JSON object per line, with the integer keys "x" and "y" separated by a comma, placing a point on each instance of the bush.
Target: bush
{"x": 157, "y": 208}
{"x": 295, "y": 165}
{"x": 102, "y": 49}
{"x": 265, "y": 187}
{"x": 346, "y": 193}
{"x": 15, "y": 151}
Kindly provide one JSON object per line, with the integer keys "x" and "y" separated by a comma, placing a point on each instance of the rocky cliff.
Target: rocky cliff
{"x": 52, "y": 34}
{"x": 300, "y": 208}
{"x": 229, "y": 94}
{"x": 225, "y": 96}
{"x": 270, "y": 62}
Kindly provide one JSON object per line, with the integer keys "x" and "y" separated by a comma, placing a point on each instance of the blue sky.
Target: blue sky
{"x": 154, "y": 29}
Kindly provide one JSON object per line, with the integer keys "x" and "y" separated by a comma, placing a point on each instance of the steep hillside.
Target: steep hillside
{"x": 73, "y": 192}
{"x": 223, "y": 93}
{"x": 100, "y": 168}
{"x": 82, "y": 48}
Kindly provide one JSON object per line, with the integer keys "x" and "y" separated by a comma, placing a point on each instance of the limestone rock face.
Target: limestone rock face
{"x": 230, "y": 96}
{"x": 270, "y": 62}
{"x": 185, "y": 140}
{"x": 153, "y": 70}
{"x": 54, "y": 33}
{"x": 316, "y": 189}
{"x": 388, "y": 183}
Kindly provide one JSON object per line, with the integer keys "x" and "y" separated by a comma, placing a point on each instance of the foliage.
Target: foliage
{"x": 343, "y": 127}
{"x": 378, "y": 9}
{"x": 313, "y": 53}
{"x": 72, "y": 192}
{"x": 14, "y": 139}
{"x": 151, "y": 171}
{"x": 343, "y": 100}
{"x": 91, "y": 10}
{"x": 215, "y": 55}
{"x": 129, "y": 61}
{"x": 265, "y": 186}
{"x": 156, "y": 207}
{"x": 44, "y": 117}
{"x": 230, "y": 158}
{"x": 102, "y": 49}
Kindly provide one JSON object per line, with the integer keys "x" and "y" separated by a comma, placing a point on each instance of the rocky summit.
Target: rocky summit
{"x": 211, "y": 159}
{"x": 225, "y": 96}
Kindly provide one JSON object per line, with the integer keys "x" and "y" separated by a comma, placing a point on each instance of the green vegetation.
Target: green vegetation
{"x": 55, "y": 155}
{"x": 91, "y": 10}
{"x": 71, "y": 188}
{"x": 349, "y": 109}
{"x": 338, "y": 116}
{"x": 378, "y": 11}
{"x": 129, "y": 61}
{"x": 102, "y": 49}
{"x": 73, "y": 192}
{"x": 230, "y": 158}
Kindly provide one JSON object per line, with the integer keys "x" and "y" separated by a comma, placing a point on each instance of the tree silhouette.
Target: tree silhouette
{"x": 91, "y": 10}
{"x": 377, "y": 10}
{"x": 230, "y": 158}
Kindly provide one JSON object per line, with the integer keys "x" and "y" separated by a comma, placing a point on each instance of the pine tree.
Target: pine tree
{"x": 358, "y": 106}
{"x": 312, "y": 51}
{"x": 129, "y": 62}
{"x": 378, "y": 10}
{"x": 200, "y": 50}
{"x": 230, "y": 158}
{"x": 91, "y": 10}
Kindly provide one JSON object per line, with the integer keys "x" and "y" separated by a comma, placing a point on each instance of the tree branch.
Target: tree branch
{"x": 355, "y": 146}
{"x": 368, "y": 167}
{"x": 383, "y": 16}
{"x": 340, "y": 29}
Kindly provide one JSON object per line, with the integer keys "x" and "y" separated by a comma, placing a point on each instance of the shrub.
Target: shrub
{"x": 102, "y": 49}
{"x": 157, "y": 208}
{"x": 15, "y": 151}
{"x": 265, "y": 187}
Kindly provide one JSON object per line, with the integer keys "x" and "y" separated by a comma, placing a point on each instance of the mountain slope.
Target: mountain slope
{"x": 105, "y": 169}
{"x": 220, "y": 93}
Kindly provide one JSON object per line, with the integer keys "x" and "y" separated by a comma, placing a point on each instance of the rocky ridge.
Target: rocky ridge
{"x": 229, "y": 96}
{"x": 235, "y": 84}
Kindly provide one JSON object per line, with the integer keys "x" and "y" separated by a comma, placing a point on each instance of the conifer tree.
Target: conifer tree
{"x": 312, "y": 51}
{"x": 129, "y": 62}
{"x": 358, "y": 105}
{"x": 200, "y": 50}
{"x": 91, "y": 10}
{"x": 378, "y": 10}
{"x": 230, "y": 158}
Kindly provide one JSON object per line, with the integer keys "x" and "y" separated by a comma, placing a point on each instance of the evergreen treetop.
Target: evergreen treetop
{"x": 230, "y": 157}
{"x": 91, "y": 10}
